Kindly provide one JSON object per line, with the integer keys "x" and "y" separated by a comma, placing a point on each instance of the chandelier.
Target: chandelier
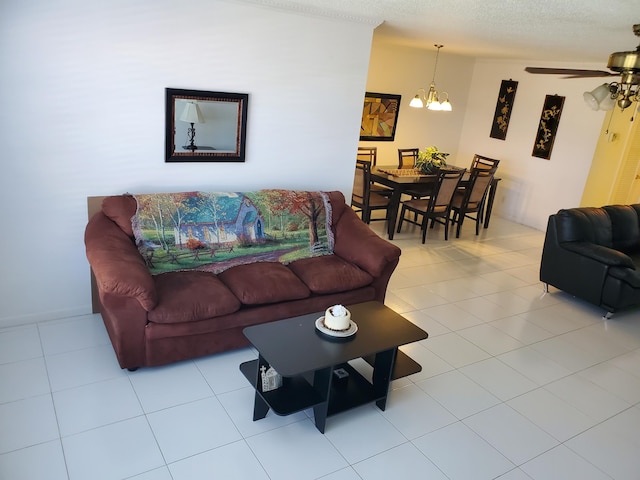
{"x": 431, "y": 98}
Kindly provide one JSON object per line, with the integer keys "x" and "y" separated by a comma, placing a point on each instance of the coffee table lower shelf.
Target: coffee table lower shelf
{"x": 298, "y": 393}
{"x": 295, "y": 394}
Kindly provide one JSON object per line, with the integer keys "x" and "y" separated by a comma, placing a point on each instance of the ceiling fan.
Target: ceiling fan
{"x": 623, "y": 64}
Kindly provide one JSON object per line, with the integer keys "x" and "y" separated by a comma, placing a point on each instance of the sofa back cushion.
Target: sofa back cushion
{"x": 612, "y": 226}
{"x": 625, "y": 227}
{"x": 587, "y": 224}
{"x": 330, "y": 274}
{"x": 338, "y": 205}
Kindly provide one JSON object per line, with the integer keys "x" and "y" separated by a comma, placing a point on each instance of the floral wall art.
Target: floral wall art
{"x": 549, "y": 121}
{"x": 504, "y": 105}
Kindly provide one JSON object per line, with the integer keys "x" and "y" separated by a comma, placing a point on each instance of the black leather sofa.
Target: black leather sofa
{"x": 594, "y": 254}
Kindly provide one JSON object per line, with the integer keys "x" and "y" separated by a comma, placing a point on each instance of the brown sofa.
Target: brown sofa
{"x": 159, "y": 319}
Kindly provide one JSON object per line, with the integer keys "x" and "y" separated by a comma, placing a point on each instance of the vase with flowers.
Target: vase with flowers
{"x": 430, "y": 160}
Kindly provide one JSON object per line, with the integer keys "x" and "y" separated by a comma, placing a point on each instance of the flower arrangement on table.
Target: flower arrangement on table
{"x": 431, "y": 160}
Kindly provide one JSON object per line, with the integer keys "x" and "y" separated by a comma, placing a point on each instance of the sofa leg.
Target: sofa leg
{"x": 607, "y": 316}
{"x": 132, "y": 369}
{"x": 545, "y": 287}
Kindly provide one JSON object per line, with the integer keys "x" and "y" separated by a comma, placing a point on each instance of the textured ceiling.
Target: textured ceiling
{"x": 543, "y": 30}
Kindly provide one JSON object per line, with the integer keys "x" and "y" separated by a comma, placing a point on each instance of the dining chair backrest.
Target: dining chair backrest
{"x": 471, "y": 199}
{"x": 446, "y": 186}
{"x": 368, "y": 154}
{"x": 362, "y": 198}
{"x": 484, "y": 163}
{"x": 479, "y": 183}
{"x": 436, "y": 208}
{"x": 407, "y": 157}
{"x": 361, "y": 181}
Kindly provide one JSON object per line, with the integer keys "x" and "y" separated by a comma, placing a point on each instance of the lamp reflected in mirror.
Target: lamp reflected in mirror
{"x": 191, "y": 114}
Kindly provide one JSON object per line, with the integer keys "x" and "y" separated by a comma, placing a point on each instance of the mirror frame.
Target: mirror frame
{"x": 173, "y": 95}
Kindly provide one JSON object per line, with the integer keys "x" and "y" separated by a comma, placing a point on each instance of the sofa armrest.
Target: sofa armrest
{"x": 570, "y": 271}
{"x": 605, "y": 255}
{"x": 358, "y": 244}
{"x": 117, "y": 265}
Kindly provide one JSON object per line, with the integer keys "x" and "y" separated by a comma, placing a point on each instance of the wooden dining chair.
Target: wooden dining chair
{"x": 485, "y": 163}
{"x": 370, "y": 154}
{"x": 470, "y": 200}
{"x": 436, "y": 208}
{"x": 362, "y": 197}
{"x": 407, "y": 157}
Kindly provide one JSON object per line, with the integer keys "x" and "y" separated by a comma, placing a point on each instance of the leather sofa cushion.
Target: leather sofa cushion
{"x": 330, "y": 274}
{"x": 120, "y": 209}
{"x": 625, "y": 227}
{"x": 587, "y": 224}
{"x": 191, "y": 296}
{"x": 628, "y": 276}
{"x": 263, "y": 282}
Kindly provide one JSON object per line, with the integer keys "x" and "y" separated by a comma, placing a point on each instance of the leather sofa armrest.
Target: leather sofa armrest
{"x": 605, "y": 255}
{"x": 118, "y": 267}
{"x": 358, "y": 244}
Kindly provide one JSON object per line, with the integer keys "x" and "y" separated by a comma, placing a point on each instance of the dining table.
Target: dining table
{"x": 403, "y": 181}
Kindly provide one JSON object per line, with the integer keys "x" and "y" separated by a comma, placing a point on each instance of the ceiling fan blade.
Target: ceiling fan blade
{"x": 570, "y": 72}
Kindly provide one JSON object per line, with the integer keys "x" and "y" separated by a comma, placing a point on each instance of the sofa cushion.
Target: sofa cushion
{"x": 330, "y": 274}
{"x": 627, "y": 275}
{"x": 263, "y": 282}
{"x": 625, "y": 226}
{"x": 586, "y": 224}
{"x": 191, "y": 296}
{"x": 120, "y": 209}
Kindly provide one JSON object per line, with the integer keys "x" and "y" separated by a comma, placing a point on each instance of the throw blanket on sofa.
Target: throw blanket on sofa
{"x": 213, "y": 231}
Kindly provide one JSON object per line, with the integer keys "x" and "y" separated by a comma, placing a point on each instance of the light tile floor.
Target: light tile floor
{"x": 515, "y": 385}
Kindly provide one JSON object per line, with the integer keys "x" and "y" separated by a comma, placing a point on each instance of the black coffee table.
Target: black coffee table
{"x": 307, "y": 360}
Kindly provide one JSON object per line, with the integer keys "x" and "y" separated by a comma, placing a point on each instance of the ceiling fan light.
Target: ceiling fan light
{"x": 595, "y": 96}
{"x": 607, "y": 103}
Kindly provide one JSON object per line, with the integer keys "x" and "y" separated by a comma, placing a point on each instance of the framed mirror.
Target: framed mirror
{"x": 204, "y": 126}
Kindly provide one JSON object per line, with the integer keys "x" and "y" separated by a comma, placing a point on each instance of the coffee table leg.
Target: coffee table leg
{"x": 260, "y": 408}
{"x": 382, "y": 373}
{"x": 322, "y": 383}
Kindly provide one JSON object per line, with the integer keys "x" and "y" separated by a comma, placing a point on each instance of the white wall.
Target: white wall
{"x": 82, "y": 95}
{"x": 532, "y": 188}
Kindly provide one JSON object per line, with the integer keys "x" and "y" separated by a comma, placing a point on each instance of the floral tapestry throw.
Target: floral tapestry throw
{"x": 213, "y": 231}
